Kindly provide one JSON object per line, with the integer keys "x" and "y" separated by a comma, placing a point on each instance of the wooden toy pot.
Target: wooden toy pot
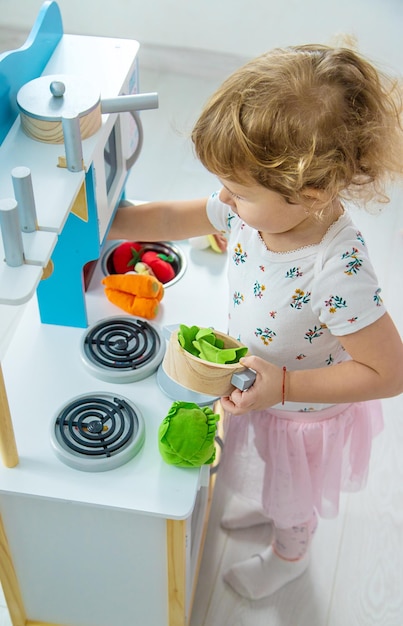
{"x": 45, "y": 101}
{"x": 213, "y": 379}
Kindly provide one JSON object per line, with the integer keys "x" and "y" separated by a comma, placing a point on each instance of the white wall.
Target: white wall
{"x": 241, "y": 27}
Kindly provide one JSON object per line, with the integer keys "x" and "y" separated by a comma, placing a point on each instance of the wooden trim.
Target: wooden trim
{"x": 9, "y": 582}
{"x": 29, "y": 623}
{"x": 176, "y": 551}
{"x": 8, "y": 447}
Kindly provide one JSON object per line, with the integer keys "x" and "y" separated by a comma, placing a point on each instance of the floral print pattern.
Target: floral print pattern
{"x": 258, "y": 289}
{"x": 266, "y": 335}
{"x": 299, "y": 298}
{"x": 237, "y": 298}
{"x": 314, "y": 333}
{"x": 239, "y": 255}
{"x": 355, "y": 262}
{"x": 334, "y": 303}
{"x": 377, "y": 297}
{"x": 294, "y": 272}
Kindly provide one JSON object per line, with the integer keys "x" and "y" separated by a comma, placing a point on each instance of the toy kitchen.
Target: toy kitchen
{"x": 90, "y": 534}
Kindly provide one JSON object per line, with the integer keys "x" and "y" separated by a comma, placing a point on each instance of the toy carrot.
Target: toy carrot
{"x": 135, "y": 305}
{"x": 137, "y": 294}
{"x": 141, "y": 285}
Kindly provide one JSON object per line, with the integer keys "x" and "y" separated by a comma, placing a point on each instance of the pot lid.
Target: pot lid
{"x": 55, "y": 96}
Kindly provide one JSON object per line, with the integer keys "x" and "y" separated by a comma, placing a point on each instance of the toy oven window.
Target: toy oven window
{"x": 111, "y": 159}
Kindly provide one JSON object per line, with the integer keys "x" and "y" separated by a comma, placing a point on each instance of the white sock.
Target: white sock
{"x": 241, "y": 514}
{"x": 263, "y": 574}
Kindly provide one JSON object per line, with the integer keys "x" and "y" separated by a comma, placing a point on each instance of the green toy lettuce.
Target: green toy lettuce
{"x": 202, "y": 343}
{"x": 186, "y": 436}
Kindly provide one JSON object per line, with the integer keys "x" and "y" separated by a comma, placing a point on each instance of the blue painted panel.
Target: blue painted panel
{"x": 28, "y": 62}
{"x": 61, "y": 297}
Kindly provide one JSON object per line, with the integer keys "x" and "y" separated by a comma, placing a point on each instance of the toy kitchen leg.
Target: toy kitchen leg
{"x": 185, "y": 544}
{"x": 9, "y": 581}
{"x": 8, "y": 447}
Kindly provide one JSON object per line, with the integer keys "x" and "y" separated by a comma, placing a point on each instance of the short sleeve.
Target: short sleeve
{"x": 219, "y": 214}
{"x": 346, "y": 295}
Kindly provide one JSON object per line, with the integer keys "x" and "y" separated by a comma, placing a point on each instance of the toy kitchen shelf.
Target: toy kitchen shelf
{"x": 82, "y": 548}
{"x": 112, "y": 65}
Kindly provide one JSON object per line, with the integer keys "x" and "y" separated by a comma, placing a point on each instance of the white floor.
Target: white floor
{"x": 356, "y": 574}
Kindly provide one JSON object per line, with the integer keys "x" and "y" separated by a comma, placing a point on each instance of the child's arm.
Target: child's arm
{"x": 375, "y": 371}
{"x": 159, "y": 221}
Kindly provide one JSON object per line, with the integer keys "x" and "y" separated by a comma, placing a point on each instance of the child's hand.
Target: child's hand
{"x": 266, "y": 391}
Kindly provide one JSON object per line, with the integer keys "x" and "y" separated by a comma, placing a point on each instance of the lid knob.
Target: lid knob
{"x": 57, "y": 88}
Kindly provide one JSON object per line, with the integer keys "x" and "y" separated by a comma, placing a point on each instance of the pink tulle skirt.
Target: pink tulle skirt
{"x": 290, "y": 463}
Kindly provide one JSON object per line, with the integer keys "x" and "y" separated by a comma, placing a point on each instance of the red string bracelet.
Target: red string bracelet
{"x": 283, "y": 385}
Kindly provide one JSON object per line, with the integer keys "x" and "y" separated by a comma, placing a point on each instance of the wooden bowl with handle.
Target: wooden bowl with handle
{"x": 213, "y": 379}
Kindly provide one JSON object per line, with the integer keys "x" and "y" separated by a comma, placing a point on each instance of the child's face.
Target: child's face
{"x": 265, "y": 210}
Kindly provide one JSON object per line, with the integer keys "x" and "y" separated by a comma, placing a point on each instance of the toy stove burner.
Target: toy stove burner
{"x": 122, "y": 349}
{"x": 97, "y": 432}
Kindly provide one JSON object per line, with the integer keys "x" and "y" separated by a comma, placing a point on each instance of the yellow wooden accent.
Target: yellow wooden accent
{"x": 8, "y": 447}
{"x": 48, "y": 270}
{"x": 9, "y": 582}
{"x": 62, "y": 162}
{"x": 29, "y": 623}
{"x": 176, "y": 546}
{"x": 80, "y": 206}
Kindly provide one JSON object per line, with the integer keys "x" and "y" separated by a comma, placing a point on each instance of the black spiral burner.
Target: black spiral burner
{"x": 97, "y": 432}
{"x": 122, "y": 349}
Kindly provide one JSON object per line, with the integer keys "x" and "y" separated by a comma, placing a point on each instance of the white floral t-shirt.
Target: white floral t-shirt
{"x": 290, "y": 307}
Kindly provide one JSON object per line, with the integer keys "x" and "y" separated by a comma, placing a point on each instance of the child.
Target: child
{"x": 291, "y": 136}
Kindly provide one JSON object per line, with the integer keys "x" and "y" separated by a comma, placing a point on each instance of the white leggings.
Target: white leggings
{"x": 292, "y": 543}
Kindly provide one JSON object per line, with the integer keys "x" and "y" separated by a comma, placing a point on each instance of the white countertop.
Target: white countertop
{"x": 43, "y": 370}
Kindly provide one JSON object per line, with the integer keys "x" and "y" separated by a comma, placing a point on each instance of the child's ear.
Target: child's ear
{"x": 314, "y": 194}
{"x": 315, "y": 199}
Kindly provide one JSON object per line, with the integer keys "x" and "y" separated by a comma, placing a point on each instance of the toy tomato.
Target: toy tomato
{"x": 160, "y": 265}
{"x": 129, "y": 254}
{"x": 125, "y": 256}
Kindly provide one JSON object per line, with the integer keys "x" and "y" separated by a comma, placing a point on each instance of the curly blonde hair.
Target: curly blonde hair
{"x": 305, "y": 117}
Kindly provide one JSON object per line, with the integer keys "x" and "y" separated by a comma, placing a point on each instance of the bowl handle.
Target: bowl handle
{"x": 243, "y": 380}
